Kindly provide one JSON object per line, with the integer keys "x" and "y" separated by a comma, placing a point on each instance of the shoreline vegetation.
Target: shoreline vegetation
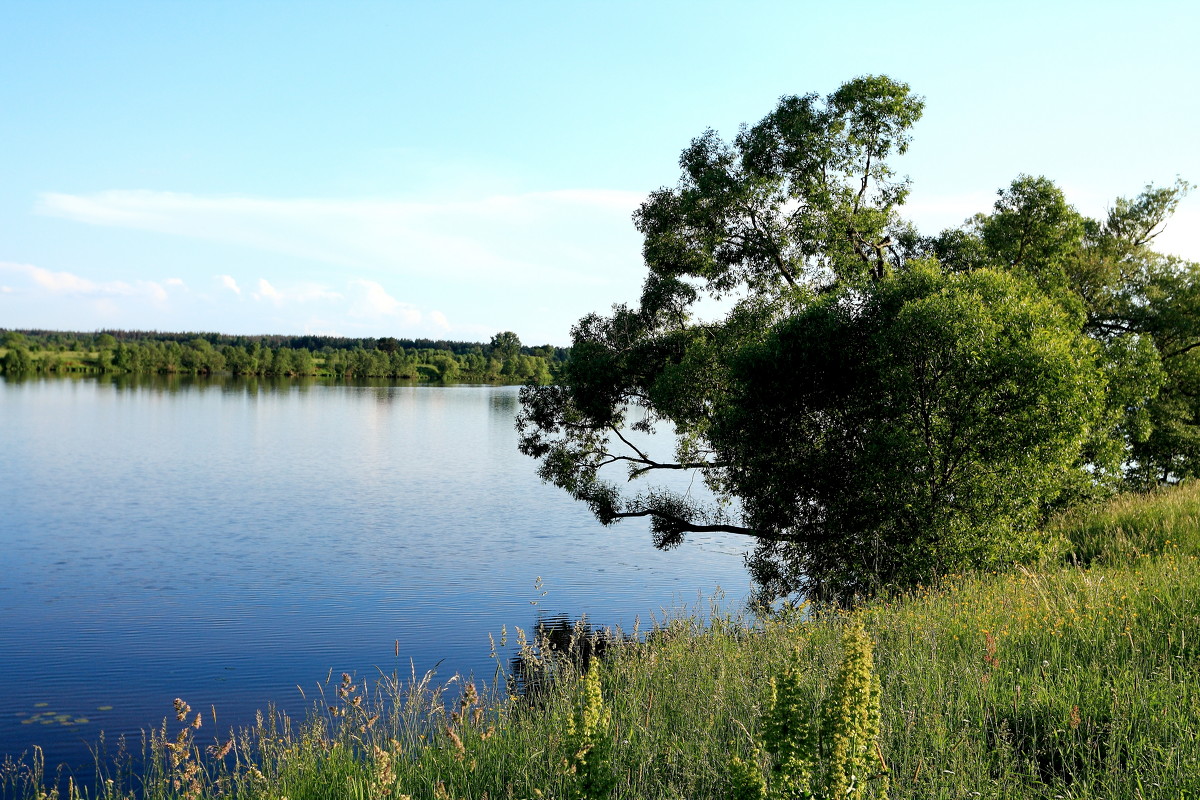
{"x": 503, "y": 360}
{"x": 1075, "y": 677}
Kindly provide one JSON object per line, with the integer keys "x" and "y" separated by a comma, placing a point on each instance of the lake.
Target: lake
{"x": 234, "y": 542}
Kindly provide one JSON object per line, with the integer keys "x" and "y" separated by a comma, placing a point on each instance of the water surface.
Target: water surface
{"x": 233, "y": 542}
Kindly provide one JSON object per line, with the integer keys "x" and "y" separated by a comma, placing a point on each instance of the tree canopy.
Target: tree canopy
{"x": 152, "y": 352}
{"x": 876, "y": 407}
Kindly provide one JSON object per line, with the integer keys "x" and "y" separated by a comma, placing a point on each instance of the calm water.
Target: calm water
{"x": 228, "y": 542}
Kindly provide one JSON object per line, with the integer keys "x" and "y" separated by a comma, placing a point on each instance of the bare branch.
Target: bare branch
{"x": 686, "y": 465}
{"x": 683, "y": 525}
{"x": 642, "y": 457}
{"x": 648, "y": 463}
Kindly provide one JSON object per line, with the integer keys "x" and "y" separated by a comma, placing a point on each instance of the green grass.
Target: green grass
{"x": 1080, "y": 679}
{"x": 1133, "y": 526}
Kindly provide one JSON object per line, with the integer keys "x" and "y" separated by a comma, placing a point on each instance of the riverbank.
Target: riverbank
{"x": 1079, "y": 678}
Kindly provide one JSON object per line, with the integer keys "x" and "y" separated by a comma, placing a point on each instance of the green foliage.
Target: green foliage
{"x": 916, "y": 434}
{"x": 877, "y": 408}
{"x": 850, "y": 725}
{"x": 835, "y": 756}
{"x": 800, "y": 205}
{"x": 1034, "y": 232}
{"x": 138, "y": 353}
{"x": 588, "y": 766}
{"x": 504, "y": 346}
{"x": 16, "y": 361}
{"x": 1141, "y": 307}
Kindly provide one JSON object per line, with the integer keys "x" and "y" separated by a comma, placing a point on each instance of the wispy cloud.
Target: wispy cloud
{"x": 69, "y": 300}
{"x": 301, "y": 293}
{"x": 372, "y": 301}
{"x": 266, "y": 290}
{"x": 68, "y": 283}
{"x": 559, "y": 237}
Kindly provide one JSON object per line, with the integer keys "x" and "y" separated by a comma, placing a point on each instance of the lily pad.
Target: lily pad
{"x": 46, "y": 716}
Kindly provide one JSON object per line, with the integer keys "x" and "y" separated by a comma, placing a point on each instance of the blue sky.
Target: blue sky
{"x": 454, "y": 169}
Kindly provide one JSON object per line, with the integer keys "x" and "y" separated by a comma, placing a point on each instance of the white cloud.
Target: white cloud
{"x": 562, "y": 237}
{"x": 360, "y": 307}
{"x": 268, "y": 291}
{"x": 308, "y": 292}
{"x": 58, "y": 282}
{"x": 322, "y": 327}
{"x": 372, "y": 301}
{"x": 67, "y": 283}
{"x": 301, "y": 293}
{"x": 229, "y": 283}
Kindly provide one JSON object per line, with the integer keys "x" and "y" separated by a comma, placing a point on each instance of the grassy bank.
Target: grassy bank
{"x": 1080, "y": 679}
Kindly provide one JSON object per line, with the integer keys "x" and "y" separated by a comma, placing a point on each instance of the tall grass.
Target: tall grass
{"x": 1079, "y": 679}
{"x": 1133, "y": 526}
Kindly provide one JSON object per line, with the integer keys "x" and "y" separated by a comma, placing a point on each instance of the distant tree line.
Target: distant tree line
{"x": 503, "y": 359}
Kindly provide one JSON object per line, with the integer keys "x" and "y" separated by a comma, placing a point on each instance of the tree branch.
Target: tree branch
{"x": 649, "y": 463}
{"x": 685, "y": 526}
{"x": 776, "y": 253}
{"x": 637, "y": 473}
{"x": 642, "y": 457}
{"x": 1181, "y": 350}
{"x": 866, "y": 178}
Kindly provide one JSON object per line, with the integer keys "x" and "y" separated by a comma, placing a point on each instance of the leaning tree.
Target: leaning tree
{"x": 875, "y": 408}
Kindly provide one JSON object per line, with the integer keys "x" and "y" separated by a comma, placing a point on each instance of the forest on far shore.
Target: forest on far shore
{"x": 503, "y": 359}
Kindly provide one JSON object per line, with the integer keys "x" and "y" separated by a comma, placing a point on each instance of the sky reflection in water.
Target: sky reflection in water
{"x": 228, "y": 541}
